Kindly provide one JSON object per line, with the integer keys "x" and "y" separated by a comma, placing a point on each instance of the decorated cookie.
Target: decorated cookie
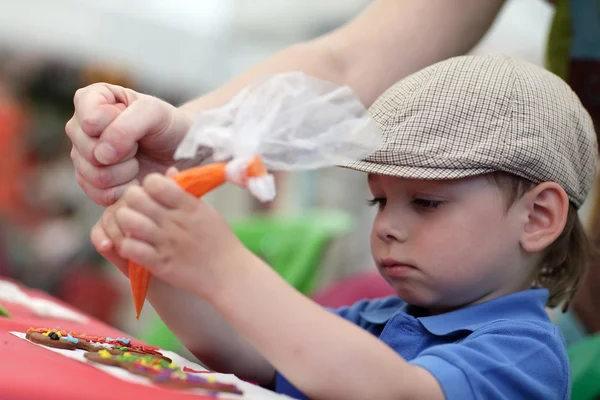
{"x": 97, "y": 346}
{"x": 53, "y": 339}
{"x": 160, "y": 371}
{"x": 126, "y": 360}
{"x": 96, "y": 343}
{"x": 103, "y": 357}
{"x": 184, "y": 380}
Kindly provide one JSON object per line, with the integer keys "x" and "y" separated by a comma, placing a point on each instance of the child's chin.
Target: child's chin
{"x": 412, "y": 298}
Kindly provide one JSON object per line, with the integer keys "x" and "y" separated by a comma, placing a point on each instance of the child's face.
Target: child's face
{"x": 447, "y": 244}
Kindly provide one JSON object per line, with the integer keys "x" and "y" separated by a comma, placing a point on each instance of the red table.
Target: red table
{"x": 29, "y": 372}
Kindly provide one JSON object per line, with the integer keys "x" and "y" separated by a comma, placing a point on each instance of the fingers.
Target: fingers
{"x": 140, "y": 252}
{"x": 167, "y": 192}
{"x": 103, "y": 197}
{"x": 104, "y": 177}
{"x": 138, "y": 200}
{"x": 83, "y": 145}
{"x": 146, "y": 115}
{"x": 171, "y": 172}
{"x": 97, "y": 105}
{"x": 137, "y": 226}
{"x": 107, "y": 249}
{"x": 118, "y": 225}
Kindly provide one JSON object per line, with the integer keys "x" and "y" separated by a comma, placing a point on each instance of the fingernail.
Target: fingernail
{"x": 105, "y": 244}
{"x": 105, "y": 153}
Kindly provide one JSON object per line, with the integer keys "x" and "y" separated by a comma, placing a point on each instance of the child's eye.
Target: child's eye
{"x": 427, "y": 204}
{"x": 378, "y": 201}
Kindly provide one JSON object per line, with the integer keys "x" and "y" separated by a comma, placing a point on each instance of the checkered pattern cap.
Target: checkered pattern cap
{"x": 473, "y": 115}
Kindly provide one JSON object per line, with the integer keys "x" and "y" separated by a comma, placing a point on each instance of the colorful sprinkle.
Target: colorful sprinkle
{"x": 70, "y": 338}
{"x": 104, "y": 354}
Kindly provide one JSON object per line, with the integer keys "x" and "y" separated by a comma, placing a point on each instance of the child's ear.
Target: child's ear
{"x": 547, "y": 207}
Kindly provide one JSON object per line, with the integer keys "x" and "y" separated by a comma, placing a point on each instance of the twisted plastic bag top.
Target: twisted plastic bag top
{"x": 291, "y": 120}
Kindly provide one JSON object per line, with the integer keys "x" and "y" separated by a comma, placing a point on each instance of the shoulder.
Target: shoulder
{"x": 503, "y": 359}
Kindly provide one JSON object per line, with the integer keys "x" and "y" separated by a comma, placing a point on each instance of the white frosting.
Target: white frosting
{"x": 99, "y": 344}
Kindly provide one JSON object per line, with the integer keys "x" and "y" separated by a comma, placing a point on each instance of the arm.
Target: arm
{"x": 195, "y": 322}
{"x": 323, "y": 355}
{"x": 204, "y": 332}
{"x": 120, "y": 135}
{"x": 388, "y": 41}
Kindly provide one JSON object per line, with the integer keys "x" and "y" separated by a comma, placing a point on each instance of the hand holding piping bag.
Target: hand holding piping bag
{"x": 197, "y": 181}
{"x": 282, "y": 122}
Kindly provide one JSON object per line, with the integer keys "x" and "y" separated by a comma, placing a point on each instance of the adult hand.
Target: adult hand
{"x": 119, "y": 136}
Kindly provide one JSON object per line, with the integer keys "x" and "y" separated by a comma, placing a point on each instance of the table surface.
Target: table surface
{"x": 28, "y": 371}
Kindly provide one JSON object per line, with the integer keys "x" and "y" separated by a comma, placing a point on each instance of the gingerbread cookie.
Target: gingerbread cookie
{"x": 103, "y": 357}
{"x": 184, "y": 380}
{"x": 126, "y": 360}
{"x": 97, "y": 346}
{"x": 96, "y": 343}
{"x": 160, "y": 371}
{"x": 53, "y": 339}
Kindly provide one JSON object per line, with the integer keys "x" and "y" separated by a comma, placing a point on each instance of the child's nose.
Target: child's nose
{"x": 391, "y": 228}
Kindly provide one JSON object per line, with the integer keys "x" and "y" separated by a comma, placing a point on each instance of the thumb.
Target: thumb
{"x": 145, "y": 116}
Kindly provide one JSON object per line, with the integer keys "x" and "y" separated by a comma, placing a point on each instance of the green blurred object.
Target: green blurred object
{"x": 585, "y": 369}
{"x": 4, "y": 313}
{"x": 560, "y": 37}
{"x": 292, "y": 246}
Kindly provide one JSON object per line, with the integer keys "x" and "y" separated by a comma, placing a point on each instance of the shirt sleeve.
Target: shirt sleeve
{"x": 501, "y": 363}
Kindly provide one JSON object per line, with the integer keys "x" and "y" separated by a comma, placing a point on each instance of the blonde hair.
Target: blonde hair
{"x": 565, "y": 261}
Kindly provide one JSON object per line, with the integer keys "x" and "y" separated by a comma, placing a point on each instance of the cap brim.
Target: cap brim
{"x": 412, "y": 172}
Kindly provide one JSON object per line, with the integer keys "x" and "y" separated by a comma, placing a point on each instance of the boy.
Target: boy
{"x": 484, "y": 164}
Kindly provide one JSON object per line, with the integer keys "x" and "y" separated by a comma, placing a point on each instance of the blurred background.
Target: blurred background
{"x": 175, "y": 50}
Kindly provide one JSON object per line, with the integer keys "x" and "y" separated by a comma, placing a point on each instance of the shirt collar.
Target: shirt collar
{"x": 526, "y": 305}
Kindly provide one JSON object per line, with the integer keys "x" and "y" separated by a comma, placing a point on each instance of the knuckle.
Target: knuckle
{"x": 69, "y": 128}
{"x": 107, "y": 221}
{"x": 100, "y": 177}
{"x": 96, "y": 235}
{"x": 89, "y": 124}
{"x": 108, "y": 197}
{"x": 101, "y": 200}
{"x": 81, "y": 182}
{"x": 73, "y": 156}
{"x": 78, "y": 93}
{"x": 147, "y": 183}
{"x": 164, "y": 264}
{"x": 133, "y": 196}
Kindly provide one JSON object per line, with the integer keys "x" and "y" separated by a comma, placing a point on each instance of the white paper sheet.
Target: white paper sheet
{"x": 251, "y": 392}
{"x": 41, "y": 307}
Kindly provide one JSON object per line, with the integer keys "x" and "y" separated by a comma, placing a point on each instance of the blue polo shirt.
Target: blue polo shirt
{"x": 506, "y": 348}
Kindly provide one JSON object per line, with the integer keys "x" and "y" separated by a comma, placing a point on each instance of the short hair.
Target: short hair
{"x": 566, "y": 260}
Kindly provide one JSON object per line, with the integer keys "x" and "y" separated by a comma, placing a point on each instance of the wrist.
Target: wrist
{"x": 236, "y": 278}
{"x": 188, "y": 110}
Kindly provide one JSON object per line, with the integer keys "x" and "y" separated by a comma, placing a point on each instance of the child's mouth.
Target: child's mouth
{"x": 396, "y": 269}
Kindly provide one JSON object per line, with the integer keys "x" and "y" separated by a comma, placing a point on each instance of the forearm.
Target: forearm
{"x": 314, "y": 58}
{"x": 322, "y": 354}
{"x": 207, "y": 334}
{"x": 388, "y": 41}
